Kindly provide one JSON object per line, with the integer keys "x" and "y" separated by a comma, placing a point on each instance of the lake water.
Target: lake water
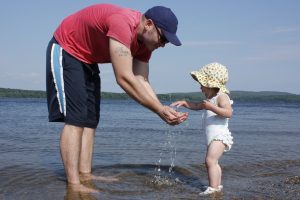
{"x": 151, "y": 159}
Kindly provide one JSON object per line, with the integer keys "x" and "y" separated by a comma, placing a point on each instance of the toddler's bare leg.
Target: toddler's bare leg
{"x": 214, "y": 152}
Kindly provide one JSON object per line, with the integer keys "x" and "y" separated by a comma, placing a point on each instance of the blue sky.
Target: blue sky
{"x": 258, "y": 40}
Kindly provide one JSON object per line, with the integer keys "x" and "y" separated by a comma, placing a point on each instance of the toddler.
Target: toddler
{"x": 218, "y": 110}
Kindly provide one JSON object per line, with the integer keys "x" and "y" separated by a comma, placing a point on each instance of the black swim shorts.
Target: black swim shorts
{"x": 73, "y": 88}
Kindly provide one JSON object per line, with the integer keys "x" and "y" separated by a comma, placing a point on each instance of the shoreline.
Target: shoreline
{"x": 239, "y": 96}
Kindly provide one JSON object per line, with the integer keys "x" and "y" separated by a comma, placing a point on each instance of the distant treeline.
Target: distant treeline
{"x": 240, "y": 96}
{"x": 16, "y": 93}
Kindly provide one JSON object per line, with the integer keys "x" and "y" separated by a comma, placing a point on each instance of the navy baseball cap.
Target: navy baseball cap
{"x": 166, "y": 20}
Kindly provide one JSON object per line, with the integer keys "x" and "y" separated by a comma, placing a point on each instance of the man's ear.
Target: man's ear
{"x": 148, "y": 24}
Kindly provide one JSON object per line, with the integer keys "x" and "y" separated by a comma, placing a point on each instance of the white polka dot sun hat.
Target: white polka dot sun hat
{"x": 213, "y": 75}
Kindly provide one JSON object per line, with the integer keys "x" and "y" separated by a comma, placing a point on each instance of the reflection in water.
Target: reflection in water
{"x": 72, "y": 195}
{"x": 19, "y": 182}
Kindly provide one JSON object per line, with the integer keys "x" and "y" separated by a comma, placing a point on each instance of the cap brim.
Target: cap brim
{"x": 171, "y": 37}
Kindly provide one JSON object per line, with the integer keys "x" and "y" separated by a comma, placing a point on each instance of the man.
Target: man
{"x": 102, "y": 33}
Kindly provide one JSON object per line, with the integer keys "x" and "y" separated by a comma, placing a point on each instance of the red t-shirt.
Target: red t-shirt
{"x": 85, "y": 34}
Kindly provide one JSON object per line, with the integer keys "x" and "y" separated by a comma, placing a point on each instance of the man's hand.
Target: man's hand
{"x": 171, "y": 116}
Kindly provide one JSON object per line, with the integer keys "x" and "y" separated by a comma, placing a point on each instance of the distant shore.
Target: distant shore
{"x": 239, "y": 96}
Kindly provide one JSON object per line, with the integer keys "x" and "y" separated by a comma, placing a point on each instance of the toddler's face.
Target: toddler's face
{"x": 208, "y": 92}
{"x": 204, "y": 89}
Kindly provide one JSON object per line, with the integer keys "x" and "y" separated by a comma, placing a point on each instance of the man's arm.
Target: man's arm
{"x": 141, "y": 72}
{"x": 132, "y": 84}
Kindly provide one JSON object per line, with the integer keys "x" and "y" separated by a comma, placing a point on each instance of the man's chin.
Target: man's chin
{"x": 152, "y": 48}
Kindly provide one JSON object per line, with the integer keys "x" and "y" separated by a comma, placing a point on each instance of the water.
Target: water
{"x": 151, "y": 159}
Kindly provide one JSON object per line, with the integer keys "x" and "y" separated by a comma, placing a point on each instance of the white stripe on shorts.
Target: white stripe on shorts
{"x": 57, "y": 72}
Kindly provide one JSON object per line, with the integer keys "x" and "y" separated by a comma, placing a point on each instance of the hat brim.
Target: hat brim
{"x": 193, "y": 74}
{"x": 198, "y": 76}
{"x": 172, "y": 38}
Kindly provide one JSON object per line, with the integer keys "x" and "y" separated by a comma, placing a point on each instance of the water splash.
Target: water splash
{"x": 169, "y": 146}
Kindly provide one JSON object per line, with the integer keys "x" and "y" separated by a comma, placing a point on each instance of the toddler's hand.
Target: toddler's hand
{"x": 207, "y": 105}
{"x": 178, "y": 104}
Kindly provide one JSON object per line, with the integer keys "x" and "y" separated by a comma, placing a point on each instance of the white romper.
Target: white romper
{"x": 216, "y": 127}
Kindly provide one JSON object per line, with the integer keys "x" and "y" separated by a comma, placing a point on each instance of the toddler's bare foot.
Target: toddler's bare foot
{"x": 81, "y": 188}
{"x": 87, "y": 177}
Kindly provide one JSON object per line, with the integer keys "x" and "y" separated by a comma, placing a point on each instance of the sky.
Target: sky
{"x": 258, "y": 41}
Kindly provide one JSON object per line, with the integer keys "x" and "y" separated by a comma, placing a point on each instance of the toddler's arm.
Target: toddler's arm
{"x": 223, "y": 109}
{"x": 187, "y": 104}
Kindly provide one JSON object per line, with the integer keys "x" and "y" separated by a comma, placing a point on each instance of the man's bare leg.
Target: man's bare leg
{"x": 86, "y": 157}
{"x": 70, "y": 147}
{"x": 87, "y": 148}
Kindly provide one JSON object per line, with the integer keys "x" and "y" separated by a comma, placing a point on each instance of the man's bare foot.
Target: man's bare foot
{"x": 88, "y": 176}
{"x": 82, "y": 188}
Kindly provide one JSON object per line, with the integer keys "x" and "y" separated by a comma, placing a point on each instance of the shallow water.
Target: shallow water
{"x": 151, "y": 159}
